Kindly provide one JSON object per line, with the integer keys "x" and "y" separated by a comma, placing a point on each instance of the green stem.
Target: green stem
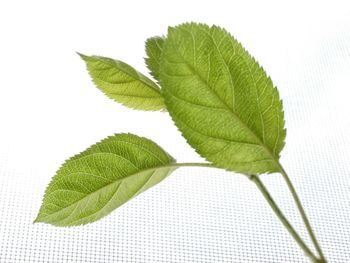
{"x": 193, "y": 165}
{"x": 282, "y": 218}
{"x": 303, "y": 214}
{"x": 278, "y": 212}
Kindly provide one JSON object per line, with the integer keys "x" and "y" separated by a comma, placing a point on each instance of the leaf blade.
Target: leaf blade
{"x": 92, "y": 184}
{"x": 122, "y": 83}
{"x": 221, "y": 99}
{"x": 154, "y": 47}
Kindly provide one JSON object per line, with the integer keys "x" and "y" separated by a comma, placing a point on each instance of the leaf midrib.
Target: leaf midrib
{"x": 107, "y": 62}
{"x": 174, "y": 165}
{"x": 107, "y": 203}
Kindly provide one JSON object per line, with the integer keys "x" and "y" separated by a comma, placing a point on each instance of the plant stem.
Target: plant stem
{"x": 302, "y": 213}
{"x": 193, "y": 165}
{"x": 282, "y": 218}
{"x": 278, "y": 212}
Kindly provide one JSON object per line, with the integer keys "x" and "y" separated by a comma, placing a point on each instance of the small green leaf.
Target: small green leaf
{"x": 92, "y": 184}
{"x": 154, "y": 46}
{"x": 221, "y": 99}
{"x": 124, "y": 84}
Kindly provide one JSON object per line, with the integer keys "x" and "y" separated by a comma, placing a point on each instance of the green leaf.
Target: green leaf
{"x": 154, "y": 46}
{"x": 92, "y": 184}
{"x": 124, "y": 84}
{"x": 221, "y": 99}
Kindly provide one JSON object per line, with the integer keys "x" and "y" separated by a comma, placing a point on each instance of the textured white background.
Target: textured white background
{"x": 50, "y": 110}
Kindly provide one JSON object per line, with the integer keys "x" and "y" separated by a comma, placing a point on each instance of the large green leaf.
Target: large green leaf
{"x": 154, "y": 46}
{"x": 124, "y": 84}
{"x": 221, "y": 99}
{"x": 92, "y": 184}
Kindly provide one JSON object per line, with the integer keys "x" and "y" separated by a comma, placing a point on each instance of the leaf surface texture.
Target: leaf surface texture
{"x": 122, "y": 83}
{"x": 92, "y": 184}
{"x": 222, "y": 101}
{"x": 154, "y": 47}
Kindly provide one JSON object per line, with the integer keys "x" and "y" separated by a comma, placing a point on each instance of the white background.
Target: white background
{"x": 50, "y": 110}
